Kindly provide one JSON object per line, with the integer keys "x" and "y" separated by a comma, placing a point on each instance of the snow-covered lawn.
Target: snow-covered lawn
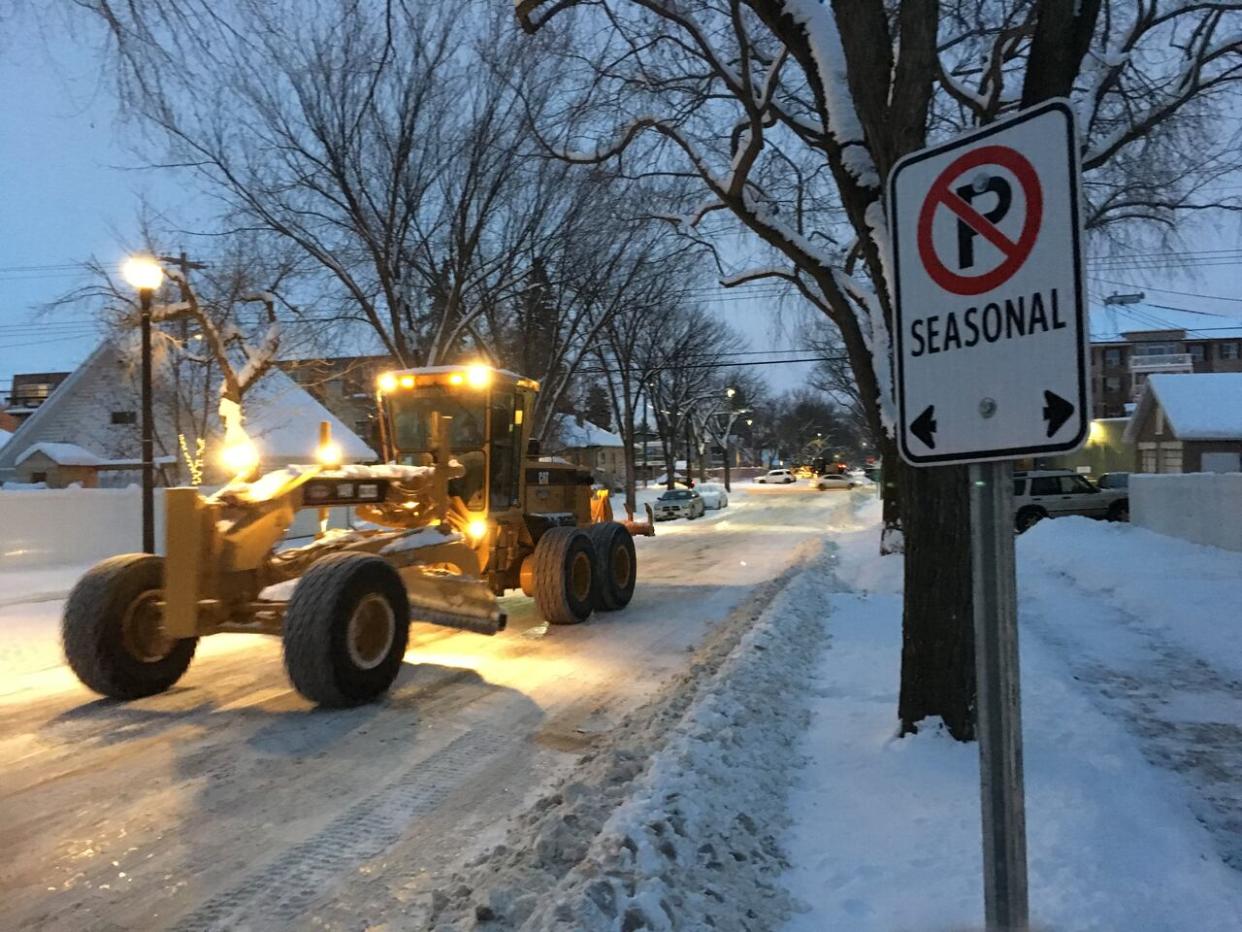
{"x": 886, "y": 832}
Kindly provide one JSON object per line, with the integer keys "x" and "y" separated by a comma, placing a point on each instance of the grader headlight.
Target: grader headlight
{"x": 477, "y": 529}
{"x": 240, "y": 458}
{"x": 387, "y": 383}
{"x": 329, "y": 454}
{"x": 479, "y": 376}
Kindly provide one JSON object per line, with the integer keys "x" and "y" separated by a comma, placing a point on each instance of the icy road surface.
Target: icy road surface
{"x": 229, "y": 802}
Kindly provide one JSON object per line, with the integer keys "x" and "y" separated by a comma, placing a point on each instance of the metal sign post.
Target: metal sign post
{"x": 998, "y": 715}
{"x": 991, "y": 366}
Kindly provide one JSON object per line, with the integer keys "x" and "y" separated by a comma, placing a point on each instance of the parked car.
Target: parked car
{"x": 831, "y": 481}
{"x": 679, "y": 503}
{"x": 1114, "y": 480}
{"x": 777, "y": 477}
{"x": 1051, "y": 493}
{"x": 713, "y": 494}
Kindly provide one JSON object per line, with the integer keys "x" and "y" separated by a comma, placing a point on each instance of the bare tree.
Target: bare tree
{"x": 213, "y": 338}
{"x": 789, "y": 115}
{"x": 388, "y": 143}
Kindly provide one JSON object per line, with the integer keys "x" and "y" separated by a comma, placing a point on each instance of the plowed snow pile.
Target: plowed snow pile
{"x": 673, "y": 822}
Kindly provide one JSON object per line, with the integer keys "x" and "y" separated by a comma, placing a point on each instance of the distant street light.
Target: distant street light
{"x": 732, "y": 414}
{"x": 145, "y": 275}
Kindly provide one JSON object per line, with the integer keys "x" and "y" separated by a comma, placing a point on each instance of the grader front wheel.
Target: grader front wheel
{"x": 112, "y": 630}
{"x": 564, "y": 567}
{"x": 346, "y": 629}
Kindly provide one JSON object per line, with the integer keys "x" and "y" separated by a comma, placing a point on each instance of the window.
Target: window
{"x": 1075, "y": 485}
{"x": 1112, "y": 384}
{"x": 38, "y": 477}
{"x": 1019, "y": 486}
{"x": 124, "y": 417}
{"x": 1046, "y": 485}
{"x": 1153, "y": 349}
{"x": 1229, "y": 351}
{"x": 505, "y": 433}
{"x": 1197, "y": 351}
{"x": 1112, "y": 358}
{"x": 1149, "y": 460}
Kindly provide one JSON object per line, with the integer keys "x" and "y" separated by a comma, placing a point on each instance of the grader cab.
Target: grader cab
{"x": 457, "y": 515}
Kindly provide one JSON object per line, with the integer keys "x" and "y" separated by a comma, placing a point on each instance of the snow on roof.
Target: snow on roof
{"x": 1198, "y": 406}
{"x": 283, "y": 419}
{"x": 4, "y": 437}
{"x": 1110, "y": 322}
{"x": 575, "y": 436}
{"x": 62, "y": 454}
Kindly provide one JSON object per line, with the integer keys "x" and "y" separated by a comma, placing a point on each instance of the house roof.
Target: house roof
{"x": 1110, "y": 322}
{"x": 281, "y": 417}
{"x": 62, "y": 454}
{"x": 1199, "y": 406}
{"x": 283, "y": 420}
{"x": 70, "y": 454}
{"x": 575, "y": 436}
{"x": 4, "y": 437}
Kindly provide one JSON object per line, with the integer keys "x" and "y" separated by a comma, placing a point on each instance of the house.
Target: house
{"x": 28, "y": 391}
{"x": 59, "y": 465}
{"x": 95, "y": 411}
{"x": 582, "y": 443}
{"x": 1188, "y": 423}
{"x": 1132, "y": 338}
{"x": 1106, "y": 450}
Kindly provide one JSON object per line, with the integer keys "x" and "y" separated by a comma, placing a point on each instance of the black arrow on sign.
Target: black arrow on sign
{"x": 924, "y": 427}
{"x": 1056, "y": 412}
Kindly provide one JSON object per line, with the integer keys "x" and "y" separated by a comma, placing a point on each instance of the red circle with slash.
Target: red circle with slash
{"x": 1015, "y": 252}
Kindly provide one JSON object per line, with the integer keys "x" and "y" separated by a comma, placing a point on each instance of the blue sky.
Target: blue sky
{"x": 69, "y": 191}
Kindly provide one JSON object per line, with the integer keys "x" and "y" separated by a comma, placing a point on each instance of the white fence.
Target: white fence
{"x": 1205, "y": 508}
{"x": 48, "y": 527}
{"x": 43, "y": 527}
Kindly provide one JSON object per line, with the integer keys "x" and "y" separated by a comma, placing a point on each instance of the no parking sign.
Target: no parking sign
{"x": 990, "y": 313}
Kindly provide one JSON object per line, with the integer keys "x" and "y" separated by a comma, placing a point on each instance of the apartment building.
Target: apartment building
{"x": 1133, "y": 338}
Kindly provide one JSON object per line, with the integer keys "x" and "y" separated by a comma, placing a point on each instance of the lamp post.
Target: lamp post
{"x": 144, "y": 274}
{"x": 732, "y": 414}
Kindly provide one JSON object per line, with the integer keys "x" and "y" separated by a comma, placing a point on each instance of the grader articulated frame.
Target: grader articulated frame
{"x": 456, "y": 516}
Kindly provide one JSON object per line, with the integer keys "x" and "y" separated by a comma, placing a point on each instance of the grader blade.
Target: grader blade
{"x": 454, "y": 601}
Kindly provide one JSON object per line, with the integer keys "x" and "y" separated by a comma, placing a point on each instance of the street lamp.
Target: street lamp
{"x": 145, "y": 275}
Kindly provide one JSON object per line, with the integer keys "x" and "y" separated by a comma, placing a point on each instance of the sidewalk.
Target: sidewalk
{"x": 886, "y": 831}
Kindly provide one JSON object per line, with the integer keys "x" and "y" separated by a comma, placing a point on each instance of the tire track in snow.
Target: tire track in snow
{"x": 281, "y": 891}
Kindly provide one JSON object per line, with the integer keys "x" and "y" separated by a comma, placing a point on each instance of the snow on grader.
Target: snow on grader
{"x": 457, "y": 515}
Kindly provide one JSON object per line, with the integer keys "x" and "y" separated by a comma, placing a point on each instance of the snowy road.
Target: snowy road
{"x": 230, "y": 803}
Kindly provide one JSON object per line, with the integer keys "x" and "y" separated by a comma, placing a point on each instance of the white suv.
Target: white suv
{"x": 1051, "y": 493}
{"x": 780, "y": 476}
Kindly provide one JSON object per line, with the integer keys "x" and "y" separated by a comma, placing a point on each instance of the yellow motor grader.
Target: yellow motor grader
{"x": 458, "y": 514}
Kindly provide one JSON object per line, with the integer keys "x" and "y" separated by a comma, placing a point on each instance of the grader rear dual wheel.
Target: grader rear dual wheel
{"x": 577, "y": 571}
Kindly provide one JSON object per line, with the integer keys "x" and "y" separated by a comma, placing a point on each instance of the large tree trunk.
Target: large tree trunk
{"x": 937, "y": 643}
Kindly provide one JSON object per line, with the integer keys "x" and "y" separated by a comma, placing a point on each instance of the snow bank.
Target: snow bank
{"x": 1189, "y": 593}
{"x": 1189, "y": 506}
{"x": 886, "y": 831}
{"x": 673, "y": 822}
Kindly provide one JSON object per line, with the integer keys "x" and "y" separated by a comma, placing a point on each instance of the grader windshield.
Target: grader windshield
{"x": 413, "y": 416}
